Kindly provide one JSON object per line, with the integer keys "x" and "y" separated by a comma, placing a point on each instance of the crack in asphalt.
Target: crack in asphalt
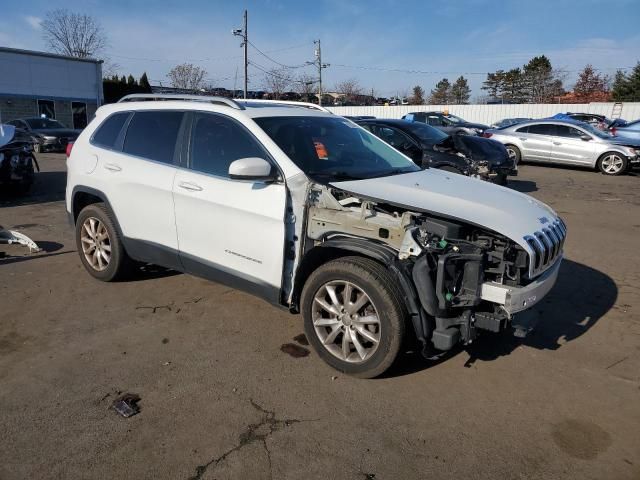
{"x": 254, "y": 432}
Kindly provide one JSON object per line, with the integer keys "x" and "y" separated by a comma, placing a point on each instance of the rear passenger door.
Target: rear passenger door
{"x": 137, "y": 171}
{"x": 231, "y": 231}
{"x": 536, "y": 141}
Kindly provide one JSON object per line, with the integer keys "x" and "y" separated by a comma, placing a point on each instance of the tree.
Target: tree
{"x": 350, "y": 90}
{"x": 144, "y": 83}
{"x": 626, "y": 88}
{"x": 493, "y": 83}
{"x": 418, "y": 96}
{"x": 73, "y": 34}
{"x": 187, "y": 76}
{"x": 441, "y": 95}
{"x": 540, "y": 82}
{"x": 460, "y": 91}
{"x": 277, "y": 81}
{"x": 591, "y": 86}
{"x": 131, "y": 81}
{"x": 306, "y": 86}
{"x": 513, "y": 86}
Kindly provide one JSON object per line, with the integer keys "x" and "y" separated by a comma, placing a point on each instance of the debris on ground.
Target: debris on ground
{"x": 127, "y": 405}
{"x": 8, "y": 237}
{"x": 296, "y": 351}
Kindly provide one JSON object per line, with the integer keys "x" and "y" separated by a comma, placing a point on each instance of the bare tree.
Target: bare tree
{"x": 277, "y": 81}
{"x": 350, "y": 89}
{"x": 187, "y": 76}
{"x": 307, "y": 86}
{"x": 73, "y": 34}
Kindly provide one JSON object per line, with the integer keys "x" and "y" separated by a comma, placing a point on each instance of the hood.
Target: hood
{"x": 505, "y": 211}
{"x": 57, "y": 132}
{"x": 482, "y": 149}
{"x": 471, "y": 125}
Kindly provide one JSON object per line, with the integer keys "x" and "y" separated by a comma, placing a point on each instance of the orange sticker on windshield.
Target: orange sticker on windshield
{"x": 321, "y": 150}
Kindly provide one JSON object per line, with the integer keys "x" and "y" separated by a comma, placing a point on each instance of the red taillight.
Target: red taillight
{"x": 614, "y": 130}
{"x": 487, "y": 135}
{"x": 69, "y": 148}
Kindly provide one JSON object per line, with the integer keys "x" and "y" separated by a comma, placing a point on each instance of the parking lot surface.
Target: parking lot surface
{"x": 227, "y": 391}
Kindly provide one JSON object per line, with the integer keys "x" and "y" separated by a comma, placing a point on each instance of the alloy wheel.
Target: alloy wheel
{"x": 96, "y": 244}
{"x": 612, "y": 164}
{"x": 346, "y": 321}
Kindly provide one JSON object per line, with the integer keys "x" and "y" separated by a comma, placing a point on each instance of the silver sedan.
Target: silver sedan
{"x": 568, "y": 142}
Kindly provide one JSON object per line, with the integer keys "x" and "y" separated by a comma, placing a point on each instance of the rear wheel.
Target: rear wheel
{"x": 100, "y": 248}
{"x": 514, "y": 154}
{"x": 354, "y": 316}
{"x": 612, "y": 163}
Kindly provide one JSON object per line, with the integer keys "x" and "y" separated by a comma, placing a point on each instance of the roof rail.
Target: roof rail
{"x": 312, "y": 106}
{"x": 146, "y": 97}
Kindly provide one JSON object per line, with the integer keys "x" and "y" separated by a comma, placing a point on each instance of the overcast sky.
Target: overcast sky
{"x": 444, "y": 38}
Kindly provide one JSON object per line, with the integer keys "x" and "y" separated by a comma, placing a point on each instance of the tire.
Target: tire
{"x": 613, "y": 163}
{"x": 514, "y": 152}
{"x": 501, "y": 179}
{"x": 383, "y": 308}
{"x": 111, "y": 262}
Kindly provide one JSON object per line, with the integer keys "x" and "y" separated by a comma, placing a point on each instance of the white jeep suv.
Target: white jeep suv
{"x": 312, "y": 213}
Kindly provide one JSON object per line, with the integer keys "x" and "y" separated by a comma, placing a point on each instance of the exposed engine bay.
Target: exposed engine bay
{"x": 448, "y": 261}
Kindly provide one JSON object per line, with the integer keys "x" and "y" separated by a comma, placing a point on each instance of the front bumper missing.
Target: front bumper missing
{"x": 517, "y": 299}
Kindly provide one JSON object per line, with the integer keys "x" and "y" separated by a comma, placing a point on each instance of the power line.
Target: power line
{"x": 275, "y": 61}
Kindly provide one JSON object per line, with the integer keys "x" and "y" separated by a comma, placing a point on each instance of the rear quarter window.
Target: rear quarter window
{"x": 153, "y": 135}
{"x": 107, "y": 134}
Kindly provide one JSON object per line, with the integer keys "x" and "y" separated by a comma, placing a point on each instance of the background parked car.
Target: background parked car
{"x": 446, "y": 122}
{"x": 568, "y": 142}
{"x": 630, "y": 130}
{"x": 598, "y": 121}
{"x": 50, "y": 135}
{"x": 16, "y": 160}
{"x": 429, "y": 147}
{"x": 506, "y": 122}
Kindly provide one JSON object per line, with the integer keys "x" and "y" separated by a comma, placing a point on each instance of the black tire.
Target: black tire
{"x": 382, "y": 288}
{"x": 621, "y": 158}
{"x": 517, "y": 155}
{"x": 501, "y": 179}
{"x": 119, "y": 265}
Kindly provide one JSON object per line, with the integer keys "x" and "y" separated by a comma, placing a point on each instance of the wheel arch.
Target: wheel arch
{"x": 83, "y": 196}
{"x": 335, "y": 248}
{"x": 611, "y": 151}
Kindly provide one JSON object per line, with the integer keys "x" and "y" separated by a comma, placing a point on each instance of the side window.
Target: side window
{"x": 524, "y": 129}
{"x": 217, "y": 141}
{"x": 107, "y": 133}
{"x": 153, "y": 135}
{"x": 393, "y": 137}
{"x": 542, "y": 129}
{"x": 409, "y": 117}
{"x": 367, "y": 127}
{"x": 435, "y": 121}
{"x": 567, "y": 132}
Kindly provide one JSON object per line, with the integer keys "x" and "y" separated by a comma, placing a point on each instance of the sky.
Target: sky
{"x": 363, "y": 40}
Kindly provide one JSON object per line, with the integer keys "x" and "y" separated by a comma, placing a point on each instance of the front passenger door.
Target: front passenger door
{"x": 569, "y": 147}
{"x": 231, "y": 231}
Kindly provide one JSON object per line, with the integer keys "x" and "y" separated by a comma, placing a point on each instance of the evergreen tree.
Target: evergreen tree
{"x": 493, "y": 83}
{"x": 441, "y": 95}
{"x": 131, "y": 81}
{"x": 513, "y": 86}
{"x": 418, "y": 96}
{"x": 460, "y": 91}
{"x": 145, "y": 86}
{"x": 541, "y": 83}
{"x": 626, "y": 88}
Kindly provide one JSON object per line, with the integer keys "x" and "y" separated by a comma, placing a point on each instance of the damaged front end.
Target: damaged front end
{"x": 458, "y": 277}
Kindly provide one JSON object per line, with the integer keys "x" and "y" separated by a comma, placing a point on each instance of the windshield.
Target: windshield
{"x": 427, "y": 133}
{"x": 43, "y": 123}
{"x": 333, "y": 148}
{"x": 595, "y": 131}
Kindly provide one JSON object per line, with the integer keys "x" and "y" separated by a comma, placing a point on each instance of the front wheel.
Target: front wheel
{"x": 354, "y": 316}
{"x": 514, "y": 154}
{"x": 612, "y": 164}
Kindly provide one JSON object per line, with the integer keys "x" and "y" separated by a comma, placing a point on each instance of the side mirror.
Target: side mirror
{"x": 252, "y": 168}
{"x": 585, "y": 138}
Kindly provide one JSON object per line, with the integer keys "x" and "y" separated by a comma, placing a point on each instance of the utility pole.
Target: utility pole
{"x": 320, "y": 65}
{"x": 246, "y": 56}
{"x": 242, "y": 32}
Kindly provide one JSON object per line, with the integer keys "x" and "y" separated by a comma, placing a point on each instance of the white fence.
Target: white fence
{"x": 488, "y": 114}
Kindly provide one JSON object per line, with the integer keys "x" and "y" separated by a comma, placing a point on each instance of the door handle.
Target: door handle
{"x": 557, "y": 143}
{"x": 524, "y": 139}
{"x": 112, "y": 167}
{"x": 192, "y": 187}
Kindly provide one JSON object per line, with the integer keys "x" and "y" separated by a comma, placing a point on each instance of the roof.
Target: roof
{"x": 35, "y": 53}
